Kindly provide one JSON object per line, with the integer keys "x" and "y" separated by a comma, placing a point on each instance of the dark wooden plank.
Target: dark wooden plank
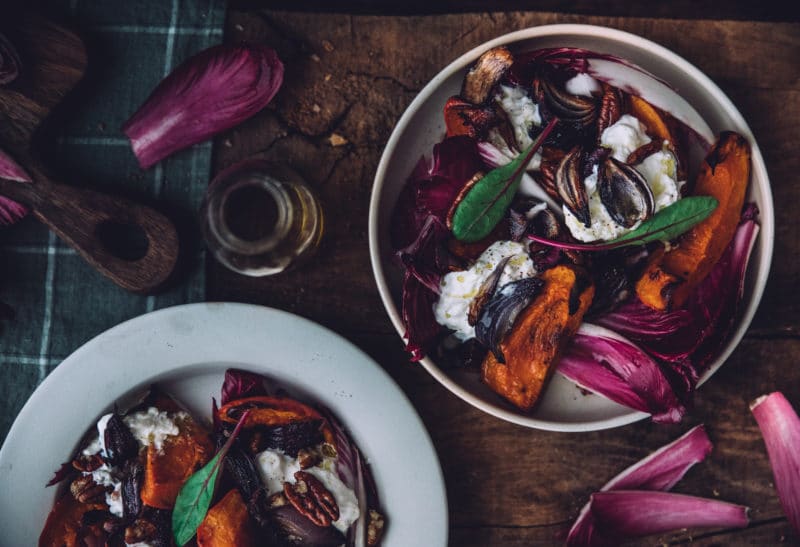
{"x": 345, "y": 77}
{"x": 770, "y": 10}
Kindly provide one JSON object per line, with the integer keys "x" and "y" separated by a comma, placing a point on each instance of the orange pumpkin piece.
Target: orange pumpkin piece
{"x": 181, "y": 455}
{"x": 650, "y": 117}
{"x": 671, "y": 277}
{"x": 64, "y": 522}
{"x": 227, "y": 524}
{"x": 463, "y": 118}
{"x": 539, "y": 335}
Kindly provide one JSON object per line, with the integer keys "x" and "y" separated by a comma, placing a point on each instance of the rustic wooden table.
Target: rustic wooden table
{"x": 349, "y": 78}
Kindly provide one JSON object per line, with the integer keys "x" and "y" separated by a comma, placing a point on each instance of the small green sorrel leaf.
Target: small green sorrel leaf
{"x": 665, "y": 225}
{"x": 485, "y": 204}
{"x": 195, "y": 497}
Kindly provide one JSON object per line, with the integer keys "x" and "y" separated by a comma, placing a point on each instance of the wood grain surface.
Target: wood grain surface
{"x": 348, "y": 80}
{"x": 99, "y": 226}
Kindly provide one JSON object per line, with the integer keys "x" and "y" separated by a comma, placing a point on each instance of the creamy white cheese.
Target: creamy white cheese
{"x": 522, "y": 112}
{"x": 458, "y": 289}
{"x": 624, "y": 137}
{"x": 106, "y": 476}
{"x": 584, "y": 85}
{"x": 153, "y": 426}
{"x": 276, "y": 468}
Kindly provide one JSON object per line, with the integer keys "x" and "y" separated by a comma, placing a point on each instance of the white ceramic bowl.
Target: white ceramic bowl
{"x": 564, "y": 407}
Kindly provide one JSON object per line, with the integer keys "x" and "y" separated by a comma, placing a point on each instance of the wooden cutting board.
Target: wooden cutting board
{"x": 96, "y": 225}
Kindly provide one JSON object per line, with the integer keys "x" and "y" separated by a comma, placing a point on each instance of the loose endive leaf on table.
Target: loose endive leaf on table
{"x": 637, "y": 513}
{"x": 661, "y": 470}
{"x": 665, "y": 225}
{"x": 195, "y": 497}
{"x": 780, "y": 427}
{"x": 487, "y": 201}
{"x": 215, "y": 90}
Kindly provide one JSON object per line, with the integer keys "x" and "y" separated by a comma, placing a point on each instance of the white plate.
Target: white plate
{"x": 563, "y": 407}
{"x": 186, "y": 349}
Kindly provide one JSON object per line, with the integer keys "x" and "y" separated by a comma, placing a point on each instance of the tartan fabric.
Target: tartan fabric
{"x": 59, "y": 301}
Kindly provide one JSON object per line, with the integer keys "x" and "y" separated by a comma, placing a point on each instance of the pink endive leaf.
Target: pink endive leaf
{"x": 636, "y": 513}
{"x": 209, "y": 93}
{"x": 11, "y": 211}
{"x": 780, "y": 427}
{"x": 610, "y": 365}
{"x": 661, "y": 470}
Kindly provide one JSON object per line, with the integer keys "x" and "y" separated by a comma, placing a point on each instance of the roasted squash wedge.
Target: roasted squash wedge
{"x": 227, "y": 524}
{"x": 167, "y": 470}
{"x": 64, "y": 522}
{"x": 538, "y": 336}
{"x": 671, "y": 276}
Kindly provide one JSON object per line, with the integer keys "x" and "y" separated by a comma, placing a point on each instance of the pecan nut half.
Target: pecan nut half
{"x": 375, "y": 526}
{"x": 141, "y": 530}
{"x": 311, "y": 499}
{"x": 87, "y": 464}
{"x": 85, "y": 490}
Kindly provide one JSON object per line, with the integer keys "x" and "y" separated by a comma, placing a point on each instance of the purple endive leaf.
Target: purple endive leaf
{"x": 423, "y": 257}
{"x": 418, "y": 318}
{"x": 239, "y": 384}
{"x": 9, "y": 61}
{"x": 213, "y": 91}
{"x": 647, "y": 327}
{"x": 780, "y": 427}
{"x": 661, "y": 470}
{"x": 630, "y": 78}
{"x": 606, "y": 363}
{"x": 11, "y": 211}
{"x": 637, "y": 513}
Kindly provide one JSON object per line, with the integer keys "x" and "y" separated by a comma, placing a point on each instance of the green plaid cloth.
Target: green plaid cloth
{"x": 60, "y": 302}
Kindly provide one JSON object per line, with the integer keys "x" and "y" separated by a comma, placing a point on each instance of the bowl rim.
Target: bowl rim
{"x": 758, "y": 170}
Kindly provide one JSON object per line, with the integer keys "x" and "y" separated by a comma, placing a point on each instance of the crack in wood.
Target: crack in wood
{"x": 375, "y": 77}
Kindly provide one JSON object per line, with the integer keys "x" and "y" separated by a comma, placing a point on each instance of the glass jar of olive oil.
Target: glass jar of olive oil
{"x": 260, "y": 218}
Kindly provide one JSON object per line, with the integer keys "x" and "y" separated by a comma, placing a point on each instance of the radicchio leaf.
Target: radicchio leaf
{"x": 209, "y": 93}
{"x": 610, "y": 365}
{"x": 637, "y": 513}
{"x": 9, "y": 61}
{"x": 433, "y": 186}
{"x": 780, "y": 427}
{"x": 661, "y": 470}
{"x": 644, "y": 325}
{"x": 11, "y": 211}
{"x": 423, "y": 257}
{"x": 421, "y": 325}
{"x": 239, "y": 384}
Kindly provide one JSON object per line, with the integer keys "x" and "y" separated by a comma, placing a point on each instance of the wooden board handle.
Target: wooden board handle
{"x": 106, "y": 230}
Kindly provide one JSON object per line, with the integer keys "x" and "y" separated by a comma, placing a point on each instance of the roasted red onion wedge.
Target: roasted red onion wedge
{"x": 780, "y": 427}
